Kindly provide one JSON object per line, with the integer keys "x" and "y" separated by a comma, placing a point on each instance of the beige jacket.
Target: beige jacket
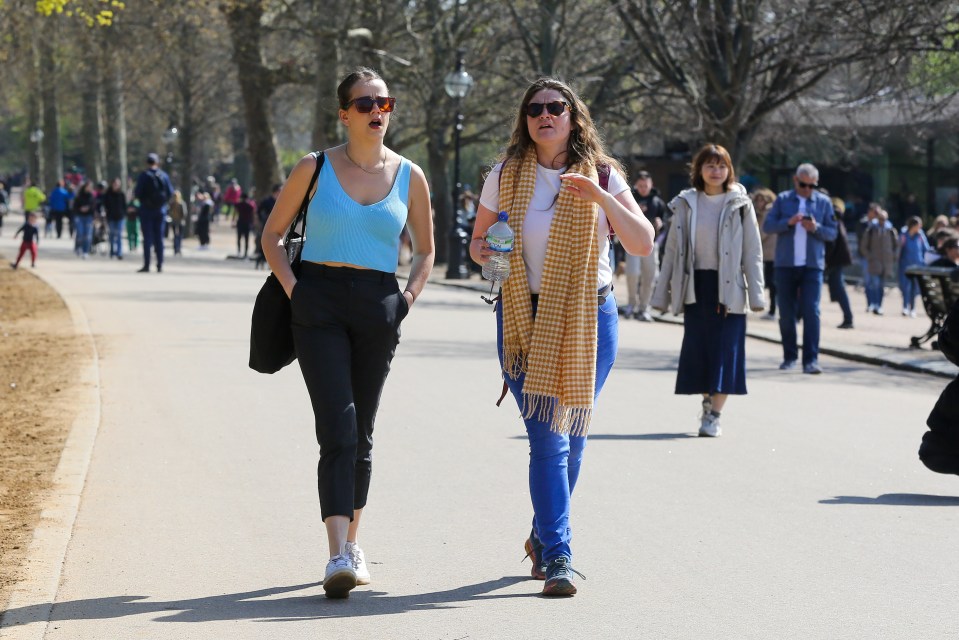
{"x": 740, "y": 259}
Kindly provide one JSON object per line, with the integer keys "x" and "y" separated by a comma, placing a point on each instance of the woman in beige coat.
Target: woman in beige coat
{"x": 880, "y": 247}
{"x": 712, "y": 273}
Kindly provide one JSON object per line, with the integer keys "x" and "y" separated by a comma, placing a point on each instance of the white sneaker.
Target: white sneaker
{"x": 710, "y": 427}
{"x": 359, "y": 563}
{"x": 912, "y": 313}
{"x": 905, "y": 311}
{"x": 340, "y": 578}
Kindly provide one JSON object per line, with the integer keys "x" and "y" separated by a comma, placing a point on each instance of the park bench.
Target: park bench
{"x": 939, "y": 288}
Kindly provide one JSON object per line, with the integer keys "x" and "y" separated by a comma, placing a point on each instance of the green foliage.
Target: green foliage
{"x": 937, "y": 72}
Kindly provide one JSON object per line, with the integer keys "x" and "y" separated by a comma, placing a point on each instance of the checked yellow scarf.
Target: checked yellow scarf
{"x": 557, "y": 352}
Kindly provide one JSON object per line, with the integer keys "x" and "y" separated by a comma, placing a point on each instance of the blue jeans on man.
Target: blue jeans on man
{"x": 799, "y": 288}
{"x": 555, "y": 459}
{"x": 874, "y": 291}
{"x": 151, "y": 223}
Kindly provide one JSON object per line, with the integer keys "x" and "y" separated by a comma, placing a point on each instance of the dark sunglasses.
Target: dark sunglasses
{"x": 364, "y": 104}
{"x": 805, "y": 185}
{"x": 555, "y": 108}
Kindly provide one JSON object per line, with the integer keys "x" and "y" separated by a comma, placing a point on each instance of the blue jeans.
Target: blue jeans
{"x": 555, "y": 459}
{"x": 874, "y": 289}
{"x": 791, "y": 283}
{"x": 84, "y": 240}
{"x": 837, "y": 292}
{"x": 910, "y": 289}
{"x": 116, "y": 237}
{"x": 152, "y": 224}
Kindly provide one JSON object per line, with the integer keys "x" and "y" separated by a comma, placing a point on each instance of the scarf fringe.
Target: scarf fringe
{"x": 574, "y": 421}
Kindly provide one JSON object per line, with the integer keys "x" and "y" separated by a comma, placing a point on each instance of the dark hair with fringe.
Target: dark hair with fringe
{"x": 709, "y": 152}
{"x": 585, "y": 145}
{"x": 354, "y": 76}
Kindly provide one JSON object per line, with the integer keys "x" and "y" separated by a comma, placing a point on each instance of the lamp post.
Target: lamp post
{"x": 457, "y": 84}
{"x": 169, "y": 137}
{"x": 36, "y": 136}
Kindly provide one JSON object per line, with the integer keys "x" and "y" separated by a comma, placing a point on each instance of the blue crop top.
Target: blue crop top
{"x": 339, "y": 229}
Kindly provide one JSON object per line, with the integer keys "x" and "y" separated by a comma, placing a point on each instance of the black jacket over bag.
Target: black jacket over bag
{"x": 271, "y": 338}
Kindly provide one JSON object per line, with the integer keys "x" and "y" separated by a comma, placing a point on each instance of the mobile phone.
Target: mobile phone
{"x": 807, "y": 216}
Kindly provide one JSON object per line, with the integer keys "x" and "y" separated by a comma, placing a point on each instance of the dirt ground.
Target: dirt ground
{"x": 40, "y": 358}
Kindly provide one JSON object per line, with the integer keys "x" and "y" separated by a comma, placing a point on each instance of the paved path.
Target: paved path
{"x": 810, "y": 518}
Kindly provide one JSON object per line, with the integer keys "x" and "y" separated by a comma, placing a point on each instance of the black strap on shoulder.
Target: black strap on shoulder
{"x": 300, "y": 221}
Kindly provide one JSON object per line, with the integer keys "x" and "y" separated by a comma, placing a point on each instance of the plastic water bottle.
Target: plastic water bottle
{"x": 499, "y": 237}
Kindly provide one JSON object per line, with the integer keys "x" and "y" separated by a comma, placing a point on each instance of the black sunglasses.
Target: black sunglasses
{"x": 364, "y": 104}
{"x": 805, "y": 185}
{"x": 555, "y": 108}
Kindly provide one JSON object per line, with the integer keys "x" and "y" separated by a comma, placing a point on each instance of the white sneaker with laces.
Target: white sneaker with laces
{"x": 359, "y": 563}
{"x": 340, "y": 578}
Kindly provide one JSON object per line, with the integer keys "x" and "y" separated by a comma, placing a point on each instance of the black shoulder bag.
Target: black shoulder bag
{"x": 271, "y": 337}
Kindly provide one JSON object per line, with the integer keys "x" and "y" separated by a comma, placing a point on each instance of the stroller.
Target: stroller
{"x": 100, "y": 244}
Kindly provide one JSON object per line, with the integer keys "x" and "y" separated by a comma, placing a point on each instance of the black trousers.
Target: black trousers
{"x": 346, "y": 325}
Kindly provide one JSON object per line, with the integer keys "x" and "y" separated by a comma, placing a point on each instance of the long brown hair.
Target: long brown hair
{"x": 585, "y": 145}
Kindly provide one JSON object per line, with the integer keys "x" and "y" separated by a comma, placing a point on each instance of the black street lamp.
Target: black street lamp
{"x": 36, "y": 169}
{"x": 457, "y": 84}
{"x": 169, "y": 137}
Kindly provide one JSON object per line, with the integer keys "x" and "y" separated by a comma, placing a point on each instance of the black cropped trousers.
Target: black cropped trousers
{"x": 346, "y": 325}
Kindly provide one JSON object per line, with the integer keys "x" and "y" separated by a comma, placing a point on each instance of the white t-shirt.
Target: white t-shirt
{"x": 799, "y": 238}
{"x": 539, "y": 217}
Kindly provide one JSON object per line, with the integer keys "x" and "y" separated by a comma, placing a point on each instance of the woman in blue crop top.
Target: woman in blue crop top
{"x": 346, "y": 303}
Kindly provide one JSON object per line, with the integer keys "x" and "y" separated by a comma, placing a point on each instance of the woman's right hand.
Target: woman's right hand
{"x": 480, "y": 251}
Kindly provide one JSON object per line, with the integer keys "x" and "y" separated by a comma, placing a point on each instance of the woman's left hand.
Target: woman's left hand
{"x": 583, "y": 187}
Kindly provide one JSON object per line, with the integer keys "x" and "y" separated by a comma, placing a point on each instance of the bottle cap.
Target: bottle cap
{"x": 503, "y": 216}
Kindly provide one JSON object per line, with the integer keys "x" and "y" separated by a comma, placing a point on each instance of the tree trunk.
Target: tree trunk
{"x": 91, "y": 132}
{"x": 115, "y": 159}
{"x": 243, "y": 20}
{"x": 442, "y": 198}
{"x": 325, "y": 120}
{"x": 52, "y": 150}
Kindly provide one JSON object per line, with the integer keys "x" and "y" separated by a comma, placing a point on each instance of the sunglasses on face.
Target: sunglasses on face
{"x": 555, "y": 108}
{"x": 805, "y": 185}
{"x": 364, "y": 104}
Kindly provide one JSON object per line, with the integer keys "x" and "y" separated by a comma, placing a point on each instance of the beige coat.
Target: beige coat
{"x": 880, "y": 247}
{"x": 740, "y": 259}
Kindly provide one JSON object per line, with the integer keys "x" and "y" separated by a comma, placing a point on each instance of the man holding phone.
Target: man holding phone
{"x": 804, "y": 222}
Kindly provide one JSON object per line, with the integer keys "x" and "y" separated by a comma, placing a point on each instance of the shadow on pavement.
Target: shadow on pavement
{"x": 630, "y": 436}
{"x": 640, "y": 436}
{"x": 899, "y": 500}
{"x": 259, "y": 605}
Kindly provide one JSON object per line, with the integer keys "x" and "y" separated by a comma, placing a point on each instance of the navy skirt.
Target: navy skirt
{"x": 713, "y": 357}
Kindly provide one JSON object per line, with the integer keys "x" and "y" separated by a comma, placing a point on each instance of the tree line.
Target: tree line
{"x": 252, "y": 82}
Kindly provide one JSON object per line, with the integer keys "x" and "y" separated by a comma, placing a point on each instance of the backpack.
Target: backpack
{"x": 154, "y": 194}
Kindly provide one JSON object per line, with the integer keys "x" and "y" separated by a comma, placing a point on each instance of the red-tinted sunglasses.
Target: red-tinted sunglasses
{"x": 364, "y": 104}
{"x": 555, "y": 108}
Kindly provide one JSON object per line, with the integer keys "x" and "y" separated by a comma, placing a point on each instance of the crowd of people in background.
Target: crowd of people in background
{"x": 879, "y": 253}
{"x": 97, "y": 216}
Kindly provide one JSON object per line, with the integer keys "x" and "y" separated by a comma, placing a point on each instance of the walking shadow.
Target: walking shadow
{"x": 898, "y": 500}
{"x": 260, "y": 605}
{"x": 628, "y": 436}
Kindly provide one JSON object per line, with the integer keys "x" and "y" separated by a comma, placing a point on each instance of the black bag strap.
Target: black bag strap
{"x": 292, "y": 235}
